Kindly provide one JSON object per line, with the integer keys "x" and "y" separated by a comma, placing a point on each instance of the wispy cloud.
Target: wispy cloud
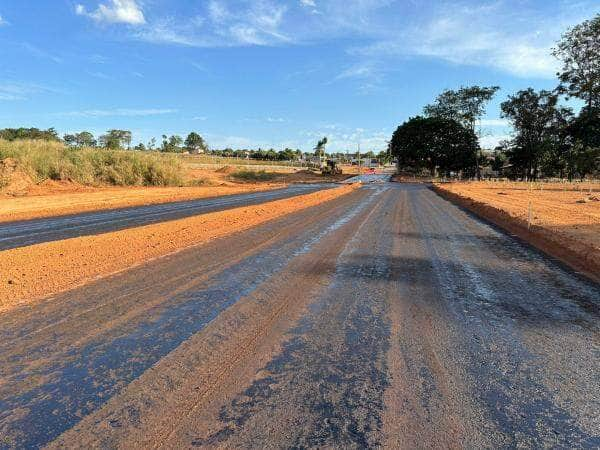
{"x": 119, "y": 112}
{"x": 490, "y": 34}
{"x": 40, "y": 53}
{"x": 497, "y": 34}
{"x": 257, "y": 23}
{"x": 3, "y": 21}
{"x": 14, "y": 90}
{"x": 101, "y": 75}
{"x": 115, "y": 11}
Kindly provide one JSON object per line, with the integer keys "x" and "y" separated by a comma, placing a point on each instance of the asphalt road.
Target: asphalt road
{"x": 28, "y": 232}
{"x": 388, "y": 317}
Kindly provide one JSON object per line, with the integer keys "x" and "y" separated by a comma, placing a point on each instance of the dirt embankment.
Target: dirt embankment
{"x": 37, "y": 271}
{"x": 564, "y": 220}
{"x": 85, "y": 199}
{"x": 22, "y": 199}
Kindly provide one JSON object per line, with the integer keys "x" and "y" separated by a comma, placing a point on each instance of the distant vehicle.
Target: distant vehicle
{"x": 331, "y": 168}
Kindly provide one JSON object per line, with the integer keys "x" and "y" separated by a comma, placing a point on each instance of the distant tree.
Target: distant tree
{"x": 115, "y": 139}
{"x": 70, "y": 140}
{"x": 152, "y": 144}
{"x": 140, "y": 147}
{"x": 579, "y": 50}
{"x": 499, "y": 159}
{"x": 320, "y": 149}
{"x": 435, "y": 143}
{"x": 85, "y": 139}
{"x": 194, "y": 143}
{"x": 172, "y": 144}
{"x": 12, "y": 134}
{"x": 539, "y": 124}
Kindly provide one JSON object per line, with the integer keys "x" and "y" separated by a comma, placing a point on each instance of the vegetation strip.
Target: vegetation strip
{"x": 581, "y": 257}
{"x": 29, "y": 273}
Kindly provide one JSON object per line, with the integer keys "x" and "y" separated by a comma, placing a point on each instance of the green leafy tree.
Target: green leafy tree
{"x": 115, "y": 139}
{"x": 465, "y": 105}
{"x": 579, "y": 50}
{"x": 85, "y": 139}
{"x": 194, "y": 143}
{"x": 12, "y": 134}
{"x": 539, "y": 124}
{"x": 434, "y": 143}
{"x": 584, "y": 132}
{"x": 320, "y": 149}
{"x": 172, "y": 144}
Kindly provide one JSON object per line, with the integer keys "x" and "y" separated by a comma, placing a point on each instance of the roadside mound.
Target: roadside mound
{"x": 227, "y": 170}
{"x": 13, "y": 181}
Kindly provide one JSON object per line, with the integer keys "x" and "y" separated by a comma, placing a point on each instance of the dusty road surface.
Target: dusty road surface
{"x": 386, "y": 317}
{"x": 28, "y": 232}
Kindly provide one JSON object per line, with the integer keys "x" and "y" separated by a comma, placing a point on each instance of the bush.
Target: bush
{"x": 44, "y": 160}
{"x": 251, "y": 175}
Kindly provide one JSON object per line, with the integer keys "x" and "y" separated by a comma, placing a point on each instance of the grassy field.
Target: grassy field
{"x": 191, "y": 160}
{"x": 43, "y": 160}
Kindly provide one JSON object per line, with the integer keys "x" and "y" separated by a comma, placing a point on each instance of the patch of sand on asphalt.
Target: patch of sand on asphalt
{"x": 565, "y": 218}
{"x": 30, "y": 273}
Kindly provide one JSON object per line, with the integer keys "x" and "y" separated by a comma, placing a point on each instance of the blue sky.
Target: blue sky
{"x": 267, "y": 73}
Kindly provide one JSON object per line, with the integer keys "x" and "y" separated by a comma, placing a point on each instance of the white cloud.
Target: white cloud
{"x": 485, "y": 34}
{"x": 256, "y": 23}
{"x": 119, "y": 112}
{"x": 116, "y": 11}
{"x": 3, "y": 21}
{"x": 310, "y": 3}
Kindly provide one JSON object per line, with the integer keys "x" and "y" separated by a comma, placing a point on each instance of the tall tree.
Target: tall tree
{"x": 85, "y": 139}
{"x": 320, "y": 149}
{"x": 465, "y": 105}
{"x": 538, "y": 122}
{"x": 172, "y": 144}
{"x": 115, "y": 139}
{"x": 584, "y": 132}
{"x": 579, "y": 50}
{"x": 194, "y": 143}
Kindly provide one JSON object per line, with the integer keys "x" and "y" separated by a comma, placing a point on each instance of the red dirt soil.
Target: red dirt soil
{"x": 565, "y": 219}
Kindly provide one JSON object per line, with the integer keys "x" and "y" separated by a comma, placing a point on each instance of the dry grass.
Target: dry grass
{"x": 44, "y": 160}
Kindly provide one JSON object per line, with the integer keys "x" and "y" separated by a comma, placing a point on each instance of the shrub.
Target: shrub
{"x": 251, "y": 175}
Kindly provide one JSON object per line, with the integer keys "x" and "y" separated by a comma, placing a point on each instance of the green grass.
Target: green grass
{"x": 252, "y": 175}
{"x": 43, "y": 160}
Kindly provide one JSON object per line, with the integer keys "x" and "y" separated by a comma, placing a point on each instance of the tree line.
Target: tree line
{"x": 550, "y": 139}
